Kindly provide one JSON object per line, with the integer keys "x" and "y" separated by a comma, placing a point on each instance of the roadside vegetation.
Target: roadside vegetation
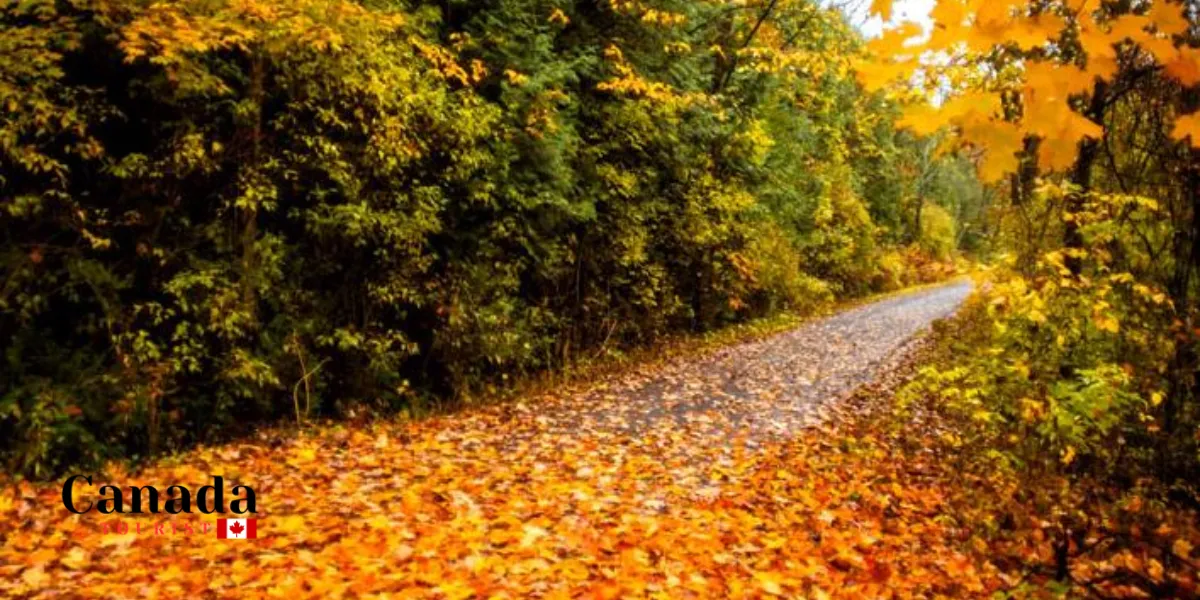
{"x": 1072, "y": 377}
{"x": 222, "y": 214}
{"x": 220, "y": 218}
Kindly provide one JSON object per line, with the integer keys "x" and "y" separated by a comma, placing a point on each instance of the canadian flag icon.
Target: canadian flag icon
{"x": 237, "y": 529}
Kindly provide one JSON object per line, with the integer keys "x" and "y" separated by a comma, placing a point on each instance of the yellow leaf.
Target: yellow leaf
{"x": 1048, "y": 114}
{"x": 1163, "y": 49}
{"x": 1154, "y": 569}
{"x": 574, "y": 569}
{"x": 1099, "y": 44}
{"x": 531, "y": 534}
{"x": 1109, "y": 324}
{"x": 559, "y": 17}
{"x": 1031, "y": 32}
{"x": 1168, "y": 17}
{"x": 1188, "y": 126}
{"x": 894, "y": 41}
{"x": 1056, "y": 81}
{"x": 1056, "y": 153}
{"x": 883, "y": 8}
{"x": 770, "y": 583}
{"x": 922, "y": 119}
{"x": 35, "y": 577}
{"x": 1130, "y": 27}
{"x": 980, "y": 106}
{"x": 950, "y": 16}
{"x": 993, "y": 13}
{"x": 1001, "y": 141}
{"x": 1185, "y": 66}
{"x": 288, "y": 524}
{"x": 76, "y": 558}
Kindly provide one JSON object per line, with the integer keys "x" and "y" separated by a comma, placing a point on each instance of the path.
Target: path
{"x": 770, "y": 386}
{"x": 666, "y": 482}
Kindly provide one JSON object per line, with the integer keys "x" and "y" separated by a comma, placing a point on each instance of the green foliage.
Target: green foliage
{"x": 938, "y": 236}
{"x": 219, "y": 213}
{"x": 1057, "y": 371}
{"x": 778, "y": 280}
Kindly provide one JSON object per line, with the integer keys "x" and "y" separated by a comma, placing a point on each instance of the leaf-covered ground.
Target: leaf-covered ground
{"x": 657, "y": 484}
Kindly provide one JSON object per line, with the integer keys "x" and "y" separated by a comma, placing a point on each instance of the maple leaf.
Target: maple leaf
{"x": 1188, "y": 126}
{"x": 883, "y": 8}
{"x": 236, "y": 528}
{"x": 1186, "y": 66}
{"x": 1168, "y": 18}
{"x": 922, "y": 119}
{"x": 1001, "y": 140}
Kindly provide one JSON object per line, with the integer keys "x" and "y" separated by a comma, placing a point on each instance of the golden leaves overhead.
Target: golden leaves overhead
{"x": 883, "y": 8}
{"x": 1188, "y": 126}
{"x": 1168, "y": 18}
{"x": 1000, "y": 142}
{"x": 956, "y": 59}
{"x": 1185, "y": 66}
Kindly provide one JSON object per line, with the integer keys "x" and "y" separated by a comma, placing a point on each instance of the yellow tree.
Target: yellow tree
{"x": 1009, "y": 70}
{"x": 1051, "y": 87}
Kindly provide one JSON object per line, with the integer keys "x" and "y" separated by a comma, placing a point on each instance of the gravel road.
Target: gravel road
{"x": 766, "y": 387}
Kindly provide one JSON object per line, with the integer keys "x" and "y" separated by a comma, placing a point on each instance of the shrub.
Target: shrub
{"x": 222, "y": 213}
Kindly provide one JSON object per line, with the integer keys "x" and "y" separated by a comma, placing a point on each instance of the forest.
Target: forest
{"x": 334, "y": 238}
{"x": 218, "y": 213}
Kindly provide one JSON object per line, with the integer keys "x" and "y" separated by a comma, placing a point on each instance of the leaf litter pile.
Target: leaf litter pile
{"x": 660, "y": 484}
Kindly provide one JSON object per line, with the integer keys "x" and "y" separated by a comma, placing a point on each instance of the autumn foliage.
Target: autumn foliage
{"x": 1075, "y": 372}
{"x": 500, "y": 503}
{"x": 221, "y": 220}
{"x": 217, "y": 214}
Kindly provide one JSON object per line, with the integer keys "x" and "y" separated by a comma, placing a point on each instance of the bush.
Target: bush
{"x": 937, "y": 232}
{"x": 220, "y": 213}
{"x": 778, "y": 278}
{"x": 1058, "y": 369}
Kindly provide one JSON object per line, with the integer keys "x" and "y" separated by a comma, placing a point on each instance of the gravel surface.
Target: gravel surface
{"x": 762, "y": 388}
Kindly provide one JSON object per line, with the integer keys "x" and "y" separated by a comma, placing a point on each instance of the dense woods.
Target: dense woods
{"x": 227, "y": 212}
{"x": 218, "y": 215}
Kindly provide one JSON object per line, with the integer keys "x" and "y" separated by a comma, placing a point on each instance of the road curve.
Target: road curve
{"x": 766, "y": 387}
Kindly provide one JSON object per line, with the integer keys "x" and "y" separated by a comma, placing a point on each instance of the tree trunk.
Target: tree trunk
{"x": 726, "y": 65}
{"x": 1027, "y": 172}
{"x": 916, "y": 233}
{"x": 1081, "y": 177}
{"x": 1187, "y": 257}
{"x": 249, "y": 213}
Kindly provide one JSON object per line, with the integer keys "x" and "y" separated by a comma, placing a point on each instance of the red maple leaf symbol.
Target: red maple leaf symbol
{"x": 236, "y": 528}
